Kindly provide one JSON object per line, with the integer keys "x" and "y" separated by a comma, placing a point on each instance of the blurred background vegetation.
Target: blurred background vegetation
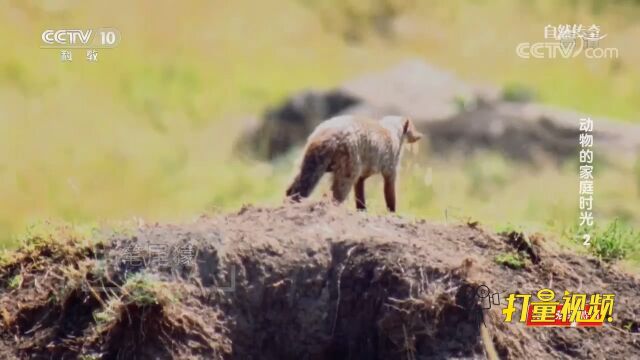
{"x": 149, "y": 129}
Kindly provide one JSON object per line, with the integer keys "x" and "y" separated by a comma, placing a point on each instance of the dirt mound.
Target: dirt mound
{"x": 303, "y": 280}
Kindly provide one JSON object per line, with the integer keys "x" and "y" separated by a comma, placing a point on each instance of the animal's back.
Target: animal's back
{"x": 353, "y": 142}
{"x": 338, "y": 127}
{"x": 347, "y": 128}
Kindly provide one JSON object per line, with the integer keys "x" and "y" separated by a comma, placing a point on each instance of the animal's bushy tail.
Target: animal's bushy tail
{"x": 314, "y": 164}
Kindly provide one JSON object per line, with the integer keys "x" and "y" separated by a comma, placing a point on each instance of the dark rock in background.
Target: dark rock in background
{"x": 492, "y": 127}
{"x": 457, "y": 117}
{"x": 289, "y": 124}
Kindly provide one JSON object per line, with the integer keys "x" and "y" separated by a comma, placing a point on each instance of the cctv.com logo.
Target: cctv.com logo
{"x": 552, "y": 50}
{"x": 569, "y": 42}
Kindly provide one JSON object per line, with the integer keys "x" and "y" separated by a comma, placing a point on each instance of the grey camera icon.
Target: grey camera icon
{"x": 486, "y": 298}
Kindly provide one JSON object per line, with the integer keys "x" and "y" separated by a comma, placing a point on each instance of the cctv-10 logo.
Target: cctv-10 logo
{"x": 80, "y": 38}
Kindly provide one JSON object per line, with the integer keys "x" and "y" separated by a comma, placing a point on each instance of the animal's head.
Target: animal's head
{"x": 409, "y": 130}
{"x": 405, "y": 125}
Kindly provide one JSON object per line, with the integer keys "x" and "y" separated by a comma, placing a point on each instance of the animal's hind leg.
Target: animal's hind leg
{"x": 359, "y": 190}
{"x": 342, "y": 184}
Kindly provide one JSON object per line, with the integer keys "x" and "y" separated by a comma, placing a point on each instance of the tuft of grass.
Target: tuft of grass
{"x": 141, "y": 290}
{"x": 109, "y": 313}
{"x": 7, "y": 257}
{"x": 616, "y": 242}
{"x": 58, "y": 237}
{"x": 461, "y": 103}
{"x": 15, "y": 282}
{"x": 516, "y": 92}
{"x": 144, "y": 290}
{"x": 508, "y": 228}
{"x": 511, "y": 260}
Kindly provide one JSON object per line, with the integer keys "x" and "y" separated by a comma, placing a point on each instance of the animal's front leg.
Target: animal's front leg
{"x": 390, "y": 192}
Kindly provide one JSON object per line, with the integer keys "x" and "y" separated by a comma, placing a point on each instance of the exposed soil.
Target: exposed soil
{"x": 303, "y": 281}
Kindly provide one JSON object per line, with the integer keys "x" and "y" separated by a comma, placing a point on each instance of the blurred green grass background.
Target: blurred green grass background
{"x": 149, "y": 129}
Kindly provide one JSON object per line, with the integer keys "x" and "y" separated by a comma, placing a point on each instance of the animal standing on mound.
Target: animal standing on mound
{"x": 354, "y": 148}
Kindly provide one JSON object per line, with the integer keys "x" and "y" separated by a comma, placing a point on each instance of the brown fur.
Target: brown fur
{"x": 353, "y": 149}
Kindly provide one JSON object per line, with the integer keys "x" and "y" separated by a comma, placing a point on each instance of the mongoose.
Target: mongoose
{"x": 354, "y": 148}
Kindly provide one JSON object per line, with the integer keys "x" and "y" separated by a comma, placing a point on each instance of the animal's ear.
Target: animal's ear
{"x": 405, "y": 127}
